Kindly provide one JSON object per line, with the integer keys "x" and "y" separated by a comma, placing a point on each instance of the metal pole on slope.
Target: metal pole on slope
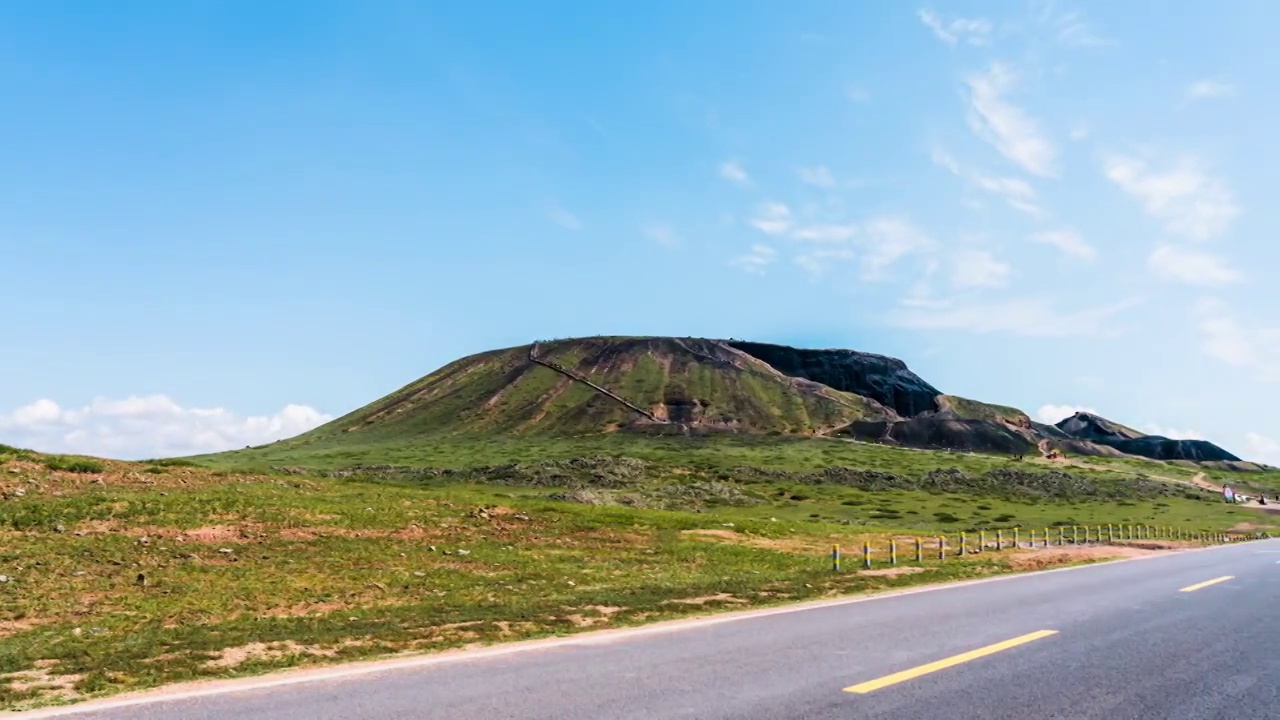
{"x": 835, "y": 558}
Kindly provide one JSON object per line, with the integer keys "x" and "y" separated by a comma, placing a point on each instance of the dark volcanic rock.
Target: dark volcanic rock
{"x": 1100, "y": 431}
{"x": 941, "y": 432}
{"x": 1087, "y": 426}
{"x": 1161, "y": 448}
{"x": 883, "y": 379}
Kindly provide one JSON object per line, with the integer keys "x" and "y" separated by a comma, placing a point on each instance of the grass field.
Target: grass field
{"x": 122, "y": 576}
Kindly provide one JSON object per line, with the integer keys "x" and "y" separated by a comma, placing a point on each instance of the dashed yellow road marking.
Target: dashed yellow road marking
{"x": 1207, "y": 583}
{"x": 916, "y": 672}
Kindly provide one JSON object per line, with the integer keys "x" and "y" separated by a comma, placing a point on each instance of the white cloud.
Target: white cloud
{"x": 1079, "y": 132}
{"x": 817, "y": 262}
{"x": 1069, "y": 27}
{"x": 818, "y": 177}
{"x": 1188, "y": 200}
{"x": 1017, "y": 192}
{"x": 146, "y": 427}
{"x": 1031, "y": 317}
{"x": 1068, "y": 242}
{"x": 1206, "y": 89}
{"x": 825, "y": 233}
{"x": 1074, "y": 30}
{"x": 977, "y": 268}
{"x": 661, "y": 234}
{"x": 564, "y": 218}
{"x": 1227, "y": 339}
{"x": 1260, "y": 448}
{"x": 733, "y": 171}
{"x": 1053, "y": 414}
{"x": 756, "y": 261}
{"x": 1007, "y": 127}
{"x": 972, "y": 31}
{"x": 1171, "y": 433}
{"x": 887, "y": 240}
{"x": 1192, "y": 267}
{"x": 772, "y": 218}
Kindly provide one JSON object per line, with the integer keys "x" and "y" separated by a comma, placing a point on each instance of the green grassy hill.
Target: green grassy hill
{"x": 503, "y": 392}
{"x": 552, "y": 399}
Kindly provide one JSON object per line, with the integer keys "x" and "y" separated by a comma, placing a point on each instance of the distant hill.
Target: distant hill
{"x": 1094, "y": 429}
{"x": 697, "y": 385}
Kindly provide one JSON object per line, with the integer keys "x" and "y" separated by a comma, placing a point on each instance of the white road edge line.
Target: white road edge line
{"x": 206, "y": 688}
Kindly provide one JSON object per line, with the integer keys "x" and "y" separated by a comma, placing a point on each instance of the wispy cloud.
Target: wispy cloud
{"x": 1017, "y": 192}
{"x": 978, "y": 268}
{"x": 1069, "y": 242}
{"x": 817, "y": 262}
{"x": 1173, "y": 433}
{"x": 1005, "y": 126}
{"x": 662, "y": 234}
{"x": 1028, "y": 317}
{"x": 1074, "y": 30}
{"x": 1080, "y": 132}
{"x": 880, "y": 242}
{"x": 1228, "y": 339}
{"x": 1069, "y": 27}
{"x": 1053, "y": 414}
{"x": 733, "y": 171}
{"x": 833, "y": 233}
{"x": 1263, "y": 449}
{"x": 1207, "y": 89}
{"x": 857, "y": 94}
{"x": 818, "y": 176}
{"x": 889, "y": 239}
{"x": 564, "y": 218}
{"x": 1191, "y": 202}
{"x": 757, "y": 260}
{"x": 772, "y": 218}
{"x": 1191, "y": 267}
{"x": 975, "y": 31}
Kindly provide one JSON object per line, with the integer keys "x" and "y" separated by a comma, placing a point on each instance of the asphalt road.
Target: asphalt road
{"x": 1120, "y": 641}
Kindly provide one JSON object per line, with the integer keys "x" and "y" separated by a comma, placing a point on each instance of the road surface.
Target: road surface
{"x": 1185, "y": 635}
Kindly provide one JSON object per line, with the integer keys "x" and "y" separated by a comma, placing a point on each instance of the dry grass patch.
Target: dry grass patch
{"x": 601, "y": 614}
{"x": 253, "y": 652}
{"x": 707, "y": 599}
{"x": 41, "y": 679}
{"x": 800, "y": 546}
{"x": 892, "y": 571}
{"x": 1054, "y": 557}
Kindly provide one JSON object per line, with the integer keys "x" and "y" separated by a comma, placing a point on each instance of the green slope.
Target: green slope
{"x": 503, "y": 393}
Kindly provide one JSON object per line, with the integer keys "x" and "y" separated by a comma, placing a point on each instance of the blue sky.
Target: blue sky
{"x": 224, "y": 222}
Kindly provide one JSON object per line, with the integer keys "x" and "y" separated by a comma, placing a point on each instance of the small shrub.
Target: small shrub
{"x": 173, "y": 462}
{"x": 945, "y": 517}
{"x": 74, "y": 465}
